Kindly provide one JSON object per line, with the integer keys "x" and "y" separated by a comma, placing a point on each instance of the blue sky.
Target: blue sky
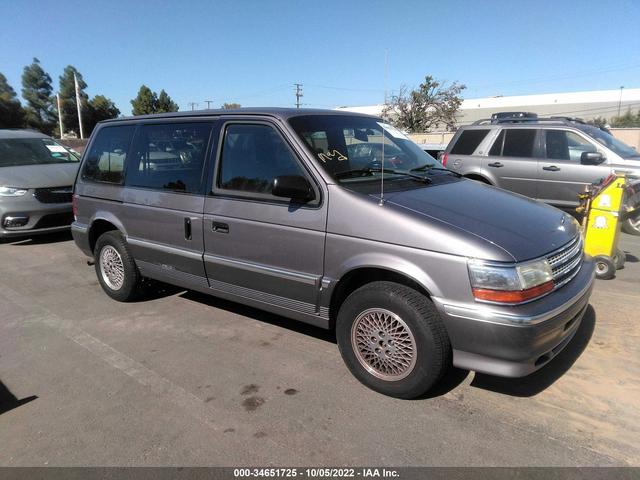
{"x": 252, "y": 52}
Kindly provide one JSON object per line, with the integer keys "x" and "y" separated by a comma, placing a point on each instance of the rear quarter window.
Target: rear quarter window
{"x": 468, "y": 141}
{"x": 106, "y": 158}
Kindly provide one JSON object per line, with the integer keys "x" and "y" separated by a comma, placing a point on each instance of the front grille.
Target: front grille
{"x": 55, "y": 220}
{"x": 566, "y": 262}
{"x": 54, "y": 195}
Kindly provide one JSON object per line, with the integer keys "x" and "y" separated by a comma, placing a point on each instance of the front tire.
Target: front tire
{"x": 392, "y": 339}
{"x": 115, "y": 267}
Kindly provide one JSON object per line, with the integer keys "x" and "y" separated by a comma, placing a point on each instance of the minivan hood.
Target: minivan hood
{"x": 38, "y": 176}
{"x": 522, "y": 227}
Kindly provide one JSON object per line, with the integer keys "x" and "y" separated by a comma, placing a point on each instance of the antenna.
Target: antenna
{"x": 381, "y": 203}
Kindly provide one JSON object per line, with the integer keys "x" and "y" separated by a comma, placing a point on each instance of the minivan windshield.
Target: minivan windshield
{"x": 350, "y": 148}
{"x": 33, "y": 151}
{"x": 609, "y": 141}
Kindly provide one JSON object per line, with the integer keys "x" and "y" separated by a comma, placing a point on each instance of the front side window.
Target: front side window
{"x": 566, "y": 145}
{"x": 33, "y": 151}
{"x": 169, "y": 157}
{"x": 252, "y": 156}
{"x": 356, "y": 149}
{"x": 518, "y": 142}
{"x": 618, "y": 147}
{"x": 105, "y": 160}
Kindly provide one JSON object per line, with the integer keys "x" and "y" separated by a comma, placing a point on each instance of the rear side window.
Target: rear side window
{"x": 519, "y": 143}
{"x": 105, "y": 160}
{"x": 168, "y": 157}
{"x": 252, "y": 156}
{"x": 468, "y": 141}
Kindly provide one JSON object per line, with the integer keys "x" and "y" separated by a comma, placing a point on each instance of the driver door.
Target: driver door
{"x": 561, "y": 175}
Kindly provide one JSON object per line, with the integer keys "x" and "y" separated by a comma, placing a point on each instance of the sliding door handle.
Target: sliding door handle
{"x": 220, "y": 227}
{"x": 187, "y": 228}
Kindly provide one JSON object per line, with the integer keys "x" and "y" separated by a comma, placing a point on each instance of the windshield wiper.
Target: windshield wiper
{"x": 429, "y": 168}
{"x": 385, "y": 170}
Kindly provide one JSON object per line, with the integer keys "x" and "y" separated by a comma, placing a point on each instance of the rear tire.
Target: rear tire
{"x": 115, "y": 267}
{"x": 605, "y": 268}
{"x": 392, "y": 339}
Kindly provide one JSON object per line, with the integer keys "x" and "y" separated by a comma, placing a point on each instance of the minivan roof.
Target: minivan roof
{"x": 281, "y": 113}
{"x": 10, "y": 133}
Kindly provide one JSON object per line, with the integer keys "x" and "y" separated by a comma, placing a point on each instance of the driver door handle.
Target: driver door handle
{"x": 495, "y": 164}
{"x": 220, "y": 227}
{"x": 551, "y": 168}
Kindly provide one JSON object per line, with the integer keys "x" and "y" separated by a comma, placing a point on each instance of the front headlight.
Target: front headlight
{"x": 510, "y": 284}
{"x": 12, "y": 192}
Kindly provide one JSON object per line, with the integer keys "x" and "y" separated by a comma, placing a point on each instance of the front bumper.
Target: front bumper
{"x": 42, "y": 217}
{"x": 517, "y": 341}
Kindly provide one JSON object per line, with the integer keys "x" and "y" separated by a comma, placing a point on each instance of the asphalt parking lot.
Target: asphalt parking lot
{"x": 185, "y": 379}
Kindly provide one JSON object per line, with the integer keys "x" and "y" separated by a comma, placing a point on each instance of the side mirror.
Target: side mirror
{"x": 591, "y": 158}
{"x": 294, "y": 187}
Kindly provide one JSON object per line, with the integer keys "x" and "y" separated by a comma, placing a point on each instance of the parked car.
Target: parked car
{"x": 549, "y": 159}
{"x": 436, "y": 150}
{"x": 36, "y": 179}
{"x": 266, "y": 208}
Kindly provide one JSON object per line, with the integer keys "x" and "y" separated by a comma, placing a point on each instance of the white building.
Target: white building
{"x": 585, "y": 105}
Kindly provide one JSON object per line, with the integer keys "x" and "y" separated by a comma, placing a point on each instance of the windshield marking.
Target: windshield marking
{"x": 331, "y": 155}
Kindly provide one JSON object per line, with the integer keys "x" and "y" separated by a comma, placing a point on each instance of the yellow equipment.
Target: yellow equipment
{"x": 603, "y": 212}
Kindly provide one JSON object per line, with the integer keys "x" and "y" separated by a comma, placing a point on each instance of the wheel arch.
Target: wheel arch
{"x": 479, "y": 178}
{"x": 359, "y": 276}
{"x": 102, "y": 223}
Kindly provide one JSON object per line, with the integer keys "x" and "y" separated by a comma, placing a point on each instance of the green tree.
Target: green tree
{"x": 145, "y": 103}
{"x": 628, "y": 120}
{"x": 230, "y": 106}
{"x": 68, "y": 100}
{"x": 165, "y": 104}
{"x": 432, "y": 105}
{"x": 100, "y": 108}
{"x": 11, "y": 112}
{"x": 599, "y": 122}
{"x": 36, "y": 90}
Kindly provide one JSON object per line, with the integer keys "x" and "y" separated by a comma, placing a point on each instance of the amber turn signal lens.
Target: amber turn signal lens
{"x": 512, "y": 296}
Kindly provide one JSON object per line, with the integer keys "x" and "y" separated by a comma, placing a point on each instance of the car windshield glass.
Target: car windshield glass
{"x": 609, "y": 141}
{"x": 350, "y": 148}
{"x": 33, "y": 151}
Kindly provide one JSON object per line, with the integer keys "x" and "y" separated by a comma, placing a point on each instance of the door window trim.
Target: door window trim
{"x": 215, "y": 191}
{"x": 538, "y": 150}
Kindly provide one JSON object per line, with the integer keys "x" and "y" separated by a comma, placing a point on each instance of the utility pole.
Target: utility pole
{"x": 620, "y": 101}
{"x": 208, "y": 102}
{"x": 298, "y": 93}
{"x": 60, "y": 114}
{"x": 192, "y": 105}
{"x": 75, "y": 79}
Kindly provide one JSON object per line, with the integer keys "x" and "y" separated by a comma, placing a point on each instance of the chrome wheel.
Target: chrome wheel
{"x": 111, "y": 267}
{"x": 383, "y": 344}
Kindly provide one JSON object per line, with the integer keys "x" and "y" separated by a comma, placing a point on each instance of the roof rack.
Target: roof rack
{"x": 521, "y": 119}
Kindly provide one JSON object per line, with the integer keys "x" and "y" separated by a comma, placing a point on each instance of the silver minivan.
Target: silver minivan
{"x": 36, "y": 180}
{"x": 338, "y": 220}
{"x": 548, "y": 159}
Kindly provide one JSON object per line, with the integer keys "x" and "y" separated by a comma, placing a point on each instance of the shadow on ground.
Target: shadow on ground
{"x": 8, "y": 401}
{"x": 545, "y": 377}
{"x": 262, "y": 316}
